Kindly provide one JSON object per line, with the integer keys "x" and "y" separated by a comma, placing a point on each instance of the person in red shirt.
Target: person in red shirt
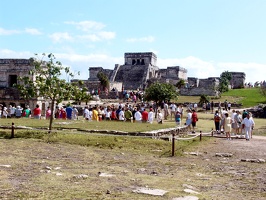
{"x": 144, "y": 116}
{"x": 37, "y": 112}
{"x": 194, "y": 120}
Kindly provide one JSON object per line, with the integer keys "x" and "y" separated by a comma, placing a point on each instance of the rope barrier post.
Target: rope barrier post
{"x": 200, "y": 136}
{"x": 173, "y": 144}
{"x": 12, "y": 130}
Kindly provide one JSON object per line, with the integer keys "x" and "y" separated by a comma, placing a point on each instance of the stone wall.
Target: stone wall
{"x": 196, "y": 87}
{"x": 238, "y": 80}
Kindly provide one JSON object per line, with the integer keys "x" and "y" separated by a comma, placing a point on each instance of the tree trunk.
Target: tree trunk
{"x": 52, "y": 116}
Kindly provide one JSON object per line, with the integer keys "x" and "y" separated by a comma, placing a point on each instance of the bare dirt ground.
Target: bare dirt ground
{"x": 32, "y": 169}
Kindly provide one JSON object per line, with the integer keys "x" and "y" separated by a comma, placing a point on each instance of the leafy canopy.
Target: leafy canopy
{"x": 160, "y": 92}
{"x": 44, "y": 81}
{"x": 225, "y": 79}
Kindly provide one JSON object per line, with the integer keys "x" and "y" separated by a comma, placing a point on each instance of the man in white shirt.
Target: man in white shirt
{"x": 121, "y": 115}
{"x": 138, "y": 116}
{"x": 173, "y": 108}
{"x": 248, "y": 124}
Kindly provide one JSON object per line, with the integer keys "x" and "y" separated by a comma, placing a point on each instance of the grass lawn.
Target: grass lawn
{"x": 248, "y": 97}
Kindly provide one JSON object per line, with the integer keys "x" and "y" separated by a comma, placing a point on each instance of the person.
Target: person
{"x": 180, "y": 110}
{"x": 128, "y": 115}
{"x": 222, "y": 120}
{"x": 212, "y": 106}
{"x": 138, "y": 116}
{"x": 5, "y": 112}
{"x": 219, "y": 106}
{"x": 37, "y": 112}
{"x": 108, "y": 114}
{"x": 234, "y": 123}
{"x": 48, "y": 113}
{"x": 151, "y": 116}
{"x": 229, "y": 106}
{"x": 217, "y": 120}
{"x": 248, "y": 124}
{"x": 121, "y": 114}
{"x": 194, "y": 119}
{"x": 63, "y": 113}
{"x": 18, "y": 112}
{"x": 75, "y": 113}
{"x": 159, "y": 117}
{"x": 166, "y": 111}
{"x": 95, "y": 116}
{"x": 69, "y": 111}
{"x": 189, "y": 119}
{"x": 173, "y": 108}
{"x": 178, "y": 118}
{"x": 238, "y": 120}
{"x": 144, "y": 115}
{"x": 12, "y": 110}
{"x": 225, "y": 105}
{"x": 27, "y": 112}
{"x": 100, "y": 113}
{"x": 113, "y": 114}
{"x": 227, "y": 126}
{"x": 86, "y": 113}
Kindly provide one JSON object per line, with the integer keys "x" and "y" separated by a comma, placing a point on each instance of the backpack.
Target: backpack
{"x": 217, "y": 118}
{"x": 177, "y": 117}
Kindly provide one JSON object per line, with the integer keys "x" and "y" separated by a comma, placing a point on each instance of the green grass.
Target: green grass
{"x": 248, "y": 96}
{"x": 87, "y": 125}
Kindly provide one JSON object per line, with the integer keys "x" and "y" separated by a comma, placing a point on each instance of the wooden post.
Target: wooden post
{"x": 200, "y": 136}
{"x": 173, "y": 144}
{"x": 212, "y": 132}
{"x": 12, "y": 130}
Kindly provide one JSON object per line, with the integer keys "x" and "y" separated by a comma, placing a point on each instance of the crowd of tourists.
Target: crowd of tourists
{"x": 230, "y": 122}
{"x": 235, "y": 122}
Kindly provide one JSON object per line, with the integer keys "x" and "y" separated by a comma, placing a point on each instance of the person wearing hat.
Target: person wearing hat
{"x": 27, "y": 112}
{"x": 247, "y": 125}
{"x": 18, "y": 112}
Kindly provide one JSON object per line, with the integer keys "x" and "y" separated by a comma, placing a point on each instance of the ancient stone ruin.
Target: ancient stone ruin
{"x": 140, "y": 69}
{"x": 10, "y": 71}
{"x": 138, "y": 72}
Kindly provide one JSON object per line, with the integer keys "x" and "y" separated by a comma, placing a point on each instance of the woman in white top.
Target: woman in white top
{"x": 189, "y": 119}
{"x": 151, "y": 116}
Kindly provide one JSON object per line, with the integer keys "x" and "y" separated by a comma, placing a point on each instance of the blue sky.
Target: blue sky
{"x": 206, "y": 37}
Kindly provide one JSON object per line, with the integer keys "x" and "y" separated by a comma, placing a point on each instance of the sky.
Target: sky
{"x": 207, "y": 37}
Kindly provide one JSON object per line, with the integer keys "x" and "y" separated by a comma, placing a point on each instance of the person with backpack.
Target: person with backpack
{"x": 217, "y": 120}
{"x": 178, "y": 118}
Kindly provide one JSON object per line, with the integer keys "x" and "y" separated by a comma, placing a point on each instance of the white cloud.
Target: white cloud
{"x": 107, "y": 35}
{"x": 32, "y": 31}
{"x": 204, "y": 69}
{"x": 8, "y": 32}
{"x": 87, "y": 25}
{"x": 60, "y": 37}
{"x": 142, "y": 39}
{"x": 89, "y": 37}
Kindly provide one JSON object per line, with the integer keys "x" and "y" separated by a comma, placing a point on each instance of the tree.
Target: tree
{"x": 180, "y": 83}
{"x": 225, "y": 79}
{"x": 82, "y": 94}
{"x": 104, "y": 80}
{"x": 43, "y": 81}
{"x": 204, "y": 99}
{"x": 159, "y": 92}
